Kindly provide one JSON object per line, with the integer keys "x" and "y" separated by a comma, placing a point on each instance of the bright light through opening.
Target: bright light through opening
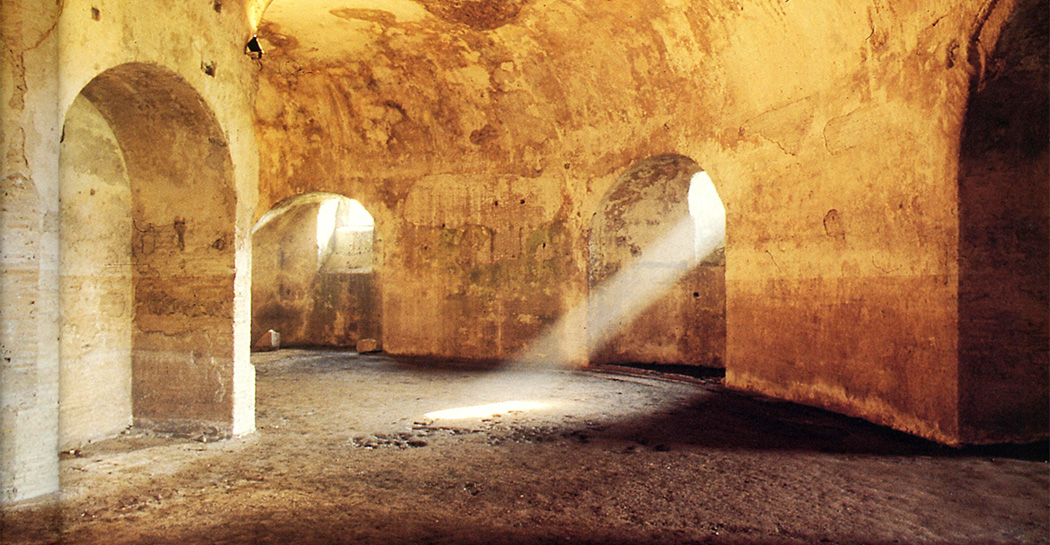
{"x": 618, "y": 300}
{"x": 485, "y": 411}
{"x": 709, "y": 215}
{"x": 326, "y": 223}
{"x": 340, "y": 214}
{"x": 357, "y": 218}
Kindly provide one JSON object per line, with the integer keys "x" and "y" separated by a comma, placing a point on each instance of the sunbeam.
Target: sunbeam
{"x": 621, "y": 298}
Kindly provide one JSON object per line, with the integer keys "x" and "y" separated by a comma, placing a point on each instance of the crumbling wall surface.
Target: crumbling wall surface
{"x": 1004, "y": 238}
{"x": 310, "y": 299}
{"x": 848, "y": 296}
{"x": 28, "y": 250}
{"x": 842, "y": 248}
{"x": 476, "y": 269}
{"x": 488, "y": 138}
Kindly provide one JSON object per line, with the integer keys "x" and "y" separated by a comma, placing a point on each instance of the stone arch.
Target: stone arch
{"x": 1004, "y": 225}
{"x": 316, "y": 284}
{"x": 643, "y": 228}
{"x": 148, "y": 293}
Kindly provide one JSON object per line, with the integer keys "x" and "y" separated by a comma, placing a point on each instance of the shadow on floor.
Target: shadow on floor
{"x": 725, "y": 419}
{"x": 333, "y": 524}
{"x": 717, "y": 418}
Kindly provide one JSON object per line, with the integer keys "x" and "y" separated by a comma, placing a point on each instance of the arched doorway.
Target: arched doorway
{"x": 1004, "y": 226}
{"x": 313, "y": 275}
{"x": 147, "y": 260}
{"x": 658, "y": 235}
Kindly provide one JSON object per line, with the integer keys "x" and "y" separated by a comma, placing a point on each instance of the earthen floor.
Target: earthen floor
{"x": 345, "y": 453}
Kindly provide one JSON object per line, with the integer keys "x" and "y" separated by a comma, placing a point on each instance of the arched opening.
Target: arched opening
{"x": 313, "y": 275}
{"x": 1004, "y": 226}
{"x": 147, "y": 260}
{"x": 658, "y": 237}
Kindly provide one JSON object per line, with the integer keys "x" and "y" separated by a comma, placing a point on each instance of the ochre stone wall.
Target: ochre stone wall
{"x": 846, "y": 296}
{"x": 842, "y": 239}
{"x": 175, "y": 87}
{"x": 182, "y": 251}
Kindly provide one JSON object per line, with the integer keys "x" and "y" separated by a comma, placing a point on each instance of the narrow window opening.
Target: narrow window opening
{"x": 709, "y": 219}
{"x": 344, "y": 236}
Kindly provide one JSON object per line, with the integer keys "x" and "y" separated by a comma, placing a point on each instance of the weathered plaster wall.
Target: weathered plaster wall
{"x": 97, "y": 300}
{"x": 486, "y": 138}
{"x": 52, "y": 51}
{"x": 842, "y": 270}
{"x": 311, "y": 300}
{"x": 1004, "y": 242}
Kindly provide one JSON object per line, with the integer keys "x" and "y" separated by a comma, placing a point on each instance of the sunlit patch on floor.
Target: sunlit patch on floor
{"x": 485, "y": 411}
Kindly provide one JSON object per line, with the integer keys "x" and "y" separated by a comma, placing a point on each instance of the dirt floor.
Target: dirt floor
{"x": 345, "y": 454}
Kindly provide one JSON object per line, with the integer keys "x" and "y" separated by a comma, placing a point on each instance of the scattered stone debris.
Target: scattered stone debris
{"x": 70, "y": 454}
{"x": 592, "y": 470}
{"x": 494, "y": 430}
{"x": 391, "y": 440}
{"x": 271, "y": 340}
{"x": 367, "y": 346}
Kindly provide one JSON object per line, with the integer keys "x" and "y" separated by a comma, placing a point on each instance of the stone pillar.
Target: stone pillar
{"x": 29, "y": 251}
